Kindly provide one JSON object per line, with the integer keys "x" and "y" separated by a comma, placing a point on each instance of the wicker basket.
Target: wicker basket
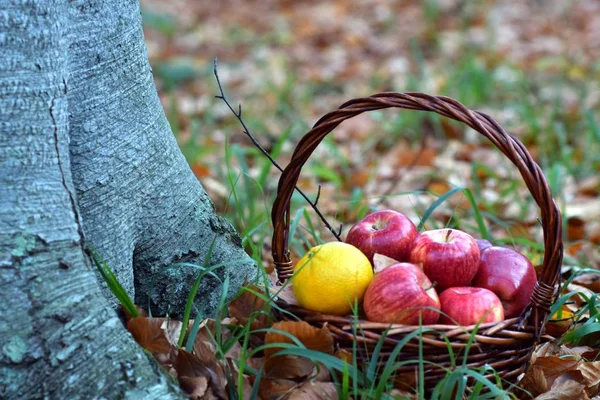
{"x": 507, "y": 345}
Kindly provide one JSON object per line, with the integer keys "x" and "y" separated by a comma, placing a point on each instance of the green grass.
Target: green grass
{"x": 566, "y": 141}
{"x": 252, "y": 195}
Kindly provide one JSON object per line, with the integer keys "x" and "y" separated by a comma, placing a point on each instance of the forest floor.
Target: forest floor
{"x": 533, "y": 66}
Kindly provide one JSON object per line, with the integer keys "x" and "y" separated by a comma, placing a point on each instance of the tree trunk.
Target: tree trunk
{"x": 140, "y": 203}
{"x": 86, "y": 154}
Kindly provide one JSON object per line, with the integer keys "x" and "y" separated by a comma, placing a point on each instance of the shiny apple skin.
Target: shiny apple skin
{"x": 510, "y": 275}
{"x": 469, "y": 305}
{"x": 399, "y": 294}
{"x": 483, "y": 244}
{"x": 386, "y": 232}
{"x": 449, "y": 257}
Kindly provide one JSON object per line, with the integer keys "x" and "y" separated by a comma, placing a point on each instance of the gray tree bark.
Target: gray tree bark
{"x": 86, "y": 154}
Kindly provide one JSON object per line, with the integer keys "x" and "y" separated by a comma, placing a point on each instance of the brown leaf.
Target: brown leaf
{"x": 381, "y": 262}
{"x": 149, "y": 333}
{"x": 194, "y": 386}
{"x": 247, "y": 380}
{"x": 250, "y": 306}
{"x": 313, "y": 338}
{"x": 580, "y": 351}
{"x": 402, "y": 394}
{"x": 589, "y": 186}
{"x": 206, "y": 353}
{"x": 534, "y": 381}
{"x": 565, "y": 387}
{"x": 590, "y": 281}
{"x": 207, "y": 332}
{"x": 172, "y": 330}
{"x": 200, "y": 170}
{"x": 247, "y": 389}
{"x": 289, "y": 367}
{"x": 344, "y": 355}
{"x": 275, "y": 388}
{"x": 406, "y": 381}
{"x": 188, "y": 365}
{"x": 285, "y": 293}
{"x": 141, "y": 312}
{"x": 579, "y": 291}
{"x": 294, "y": 367}
{"x": 575, "y": 229}
{"x": 315, "y": 391}
{"x": 591, "y": 376}
{"x": 545, "y": 349}
{"x": 555, "y": 329}
{"x": 553, "y": 366}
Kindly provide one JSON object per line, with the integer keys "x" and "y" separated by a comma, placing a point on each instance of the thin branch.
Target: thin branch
{"x": 246, "y": 132}
{"x": 318, "y": 196}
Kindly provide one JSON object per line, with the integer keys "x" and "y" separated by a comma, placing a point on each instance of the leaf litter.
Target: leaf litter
{"x": 557, "y": 370}
{"x": 324, "y": 45}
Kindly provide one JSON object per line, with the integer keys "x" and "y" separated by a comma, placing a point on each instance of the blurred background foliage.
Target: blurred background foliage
{"x": 534, "y": 66}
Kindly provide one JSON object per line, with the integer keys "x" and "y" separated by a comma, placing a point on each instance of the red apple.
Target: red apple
{"x": 468, "y": 305}
{"x": 385, "y": 232}
{"x": 510, "y": 275}
{"x": 449, "y": 257}
{"x": 399, "y": 294}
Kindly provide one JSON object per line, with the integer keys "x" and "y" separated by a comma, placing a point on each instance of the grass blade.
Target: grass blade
{"x": 436, "y": 204}
{"x": 113, "y": 283}
{"x": 190, "y": 300}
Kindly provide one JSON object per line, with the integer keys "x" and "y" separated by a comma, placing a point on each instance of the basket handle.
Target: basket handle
{"x": 484, "y": 124}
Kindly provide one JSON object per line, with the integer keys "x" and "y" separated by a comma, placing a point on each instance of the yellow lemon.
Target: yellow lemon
{"x": 331, "y": 277}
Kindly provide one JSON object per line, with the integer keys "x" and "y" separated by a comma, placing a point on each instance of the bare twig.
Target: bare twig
{"x": 246, "y": 132}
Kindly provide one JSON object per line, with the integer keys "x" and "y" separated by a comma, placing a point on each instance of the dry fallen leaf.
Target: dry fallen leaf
{"x": 272, "y": 389}
{"x": 150, "y": 334}
{"x": 285, "y": 293}
{"x": 534, "y": 381}
{"x": 290, "y": 366}
{"x": 591, "y": 376}
{"x": 190, "y": 366}
{"x": 575, "y": 229}
{"x": 580, "y": 291}
{"x": 311, "y": 337}
{"x": 381, "y": 262}
{"x": 344, "y": 355}
{"x": 194, "y": 386}
{"x": 248, "y": 305}
{"x": 400, "y": 394}
{"x": 565, "y": 387}
{"x": 315, "y": 391}
{"x": 589, "y": 281}
{"x": 140, "y": 310}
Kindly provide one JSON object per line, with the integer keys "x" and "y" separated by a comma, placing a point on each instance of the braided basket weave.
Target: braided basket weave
{"x": 507, "y": 345}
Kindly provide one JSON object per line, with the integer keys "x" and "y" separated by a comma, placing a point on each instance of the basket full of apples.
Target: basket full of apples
{"x": 429, "y": 294}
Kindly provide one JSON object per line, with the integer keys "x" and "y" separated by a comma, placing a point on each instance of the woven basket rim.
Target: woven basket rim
{"x": 546, "y": 289}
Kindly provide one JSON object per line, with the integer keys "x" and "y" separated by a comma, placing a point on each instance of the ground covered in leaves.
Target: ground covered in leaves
{"x": 533, "y": 66}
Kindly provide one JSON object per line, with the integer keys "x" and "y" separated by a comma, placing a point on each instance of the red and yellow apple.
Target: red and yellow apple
{"x": 469, "y": 305}
{"x": 449, "y": 257}
{"x": 510, "y": 275}
{"x": 401, "y": 294}
{"x": 385, "y": 232}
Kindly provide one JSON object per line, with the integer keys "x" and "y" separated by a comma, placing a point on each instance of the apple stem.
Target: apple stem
{"x": 433, "y": 285}
{"x": 448, "y": 235}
